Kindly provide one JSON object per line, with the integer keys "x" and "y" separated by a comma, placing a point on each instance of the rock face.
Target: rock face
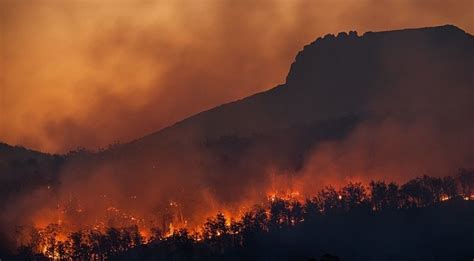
{"x": 346, "y": 74}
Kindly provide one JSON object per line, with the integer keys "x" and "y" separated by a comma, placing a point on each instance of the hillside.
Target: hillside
{"x": 364, "y": 106}
{"x": 339, "y": 75}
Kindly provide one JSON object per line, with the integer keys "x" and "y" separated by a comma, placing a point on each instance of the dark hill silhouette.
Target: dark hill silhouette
{"x": 22, "y": 170}
{"x": 336, "y": 84}
{"x": 336, "y": 76}
{"x": 416, "y": 77}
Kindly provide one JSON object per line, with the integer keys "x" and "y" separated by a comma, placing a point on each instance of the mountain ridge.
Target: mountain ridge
{"x": 382, "y": 106}
{"x": 353, "y": 106}
{"x": 282, "y": 89}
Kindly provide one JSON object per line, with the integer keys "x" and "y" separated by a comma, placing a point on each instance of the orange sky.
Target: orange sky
{"x": 88, "y": 72}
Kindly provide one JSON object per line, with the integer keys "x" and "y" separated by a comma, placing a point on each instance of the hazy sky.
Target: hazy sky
{"x": 88, "y": 72}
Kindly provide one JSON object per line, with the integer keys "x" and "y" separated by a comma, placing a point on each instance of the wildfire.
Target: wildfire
{"x": 170, "y": 230}
{"x": 56, "y": 226}
{"x": 285, "y": 195}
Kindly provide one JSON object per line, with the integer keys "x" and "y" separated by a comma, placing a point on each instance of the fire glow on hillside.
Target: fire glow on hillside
{"x": 55, "y": 237}
{"x": 289, "y": 172}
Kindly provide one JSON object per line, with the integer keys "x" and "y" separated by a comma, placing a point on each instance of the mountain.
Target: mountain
{"x": 377, "y": 104}
{"x": 419, "y": 79}
{"x": 338, "y": 75}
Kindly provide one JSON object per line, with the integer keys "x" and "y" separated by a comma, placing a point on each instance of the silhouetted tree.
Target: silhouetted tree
{"x": 354, "y": 196}
{"x": 130, "y": 237}
{"x": 311, "y": 209}
{"x": 393, "y": 196}
{"x": 156, "y": 235}
{"x": 49, "y": 235}
{"x": 412, "y": 193}
{"x": 433, "y": 189}
{"x": 272, "y": 232}
{"x": 111, "y": 241}
{"x": 181, "y": 243}
{"x": 62, "y": 250}
{"x": 260, "y": 219}
{"x": 97, "y": 248}
{"x": 296, "y": 214}
{"x": 379, "y": 197}
{"x": 36, "y": 240}
{"x": 279, "y": 213}
{"x": 466, "y": 180}
{"x": 253, "y": 223}
{"x": 329, "y": 200}
{"x": 421, "y": 192}
{"x": 215, "y": 227}
{"x": 79, "y": 248}
{"x": 448, "y": 185}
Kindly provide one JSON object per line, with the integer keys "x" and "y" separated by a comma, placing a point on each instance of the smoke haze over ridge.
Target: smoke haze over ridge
{"x": 387, "y": 105}
{"x": 88, "y": 73}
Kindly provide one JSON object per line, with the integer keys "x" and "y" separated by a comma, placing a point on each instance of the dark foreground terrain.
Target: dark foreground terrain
{"x": 425, "y": 219}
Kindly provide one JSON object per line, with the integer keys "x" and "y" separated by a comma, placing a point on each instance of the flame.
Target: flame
{"x": 144, "y": 233}
{"x": 174, "y": 219}
{"x": 288, "y": 195}
{"x": 170, "y": 230}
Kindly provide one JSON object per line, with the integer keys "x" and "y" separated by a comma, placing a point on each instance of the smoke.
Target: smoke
{"x": 391, "y": 150}
{"x": 422, "y": 118}
{"x": 89, "y": 73}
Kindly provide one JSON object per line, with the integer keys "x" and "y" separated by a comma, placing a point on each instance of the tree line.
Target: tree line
{"x": 339, "y": 222}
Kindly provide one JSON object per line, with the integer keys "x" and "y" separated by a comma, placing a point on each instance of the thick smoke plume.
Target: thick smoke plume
{"x": 89, "y": 73}
{"x": 117, "y": 76}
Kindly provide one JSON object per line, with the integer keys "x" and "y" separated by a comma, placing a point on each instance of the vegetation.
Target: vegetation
{"x": 426, "y": 218}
